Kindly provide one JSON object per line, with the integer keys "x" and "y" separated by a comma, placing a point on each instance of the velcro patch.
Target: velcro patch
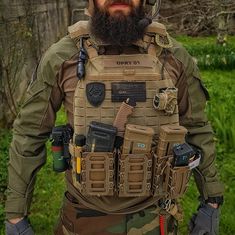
{"x": 95, "y": 92}
{"x": 123, "y": 90}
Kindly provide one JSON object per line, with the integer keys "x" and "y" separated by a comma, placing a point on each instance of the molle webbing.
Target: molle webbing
{"x": 109, "y": 80}
{"x": 110, "y": 69}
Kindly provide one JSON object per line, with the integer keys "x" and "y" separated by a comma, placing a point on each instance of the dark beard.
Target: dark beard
{"x": 120, "y": 30}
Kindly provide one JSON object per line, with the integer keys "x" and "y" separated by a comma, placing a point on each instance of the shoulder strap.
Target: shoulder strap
{"x": 81, "y": 29}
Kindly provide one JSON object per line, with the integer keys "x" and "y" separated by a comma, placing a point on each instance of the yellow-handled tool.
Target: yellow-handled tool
{"x": 80, "y": 141}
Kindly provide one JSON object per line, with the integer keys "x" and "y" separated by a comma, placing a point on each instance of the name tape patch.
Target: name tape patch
{"x": 120, "y": 91}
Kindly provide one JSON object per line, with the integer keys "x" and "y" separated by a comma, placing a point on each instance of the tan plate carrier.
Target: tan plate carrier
{"x": 122, "y": 173}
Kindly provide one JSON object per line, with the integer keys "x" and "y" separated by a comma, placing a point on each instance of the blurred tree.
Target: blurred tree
{"x": 76, "y": 10}
{"x": 28, "y": 28}
{"x": 195, "y": 17}
{"x": 226, "y": 11}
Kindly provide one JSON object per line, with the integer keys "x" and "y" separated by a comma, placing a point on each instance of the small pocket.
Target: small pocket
{"x": 178, "y": 181}
{"x": 134, "y": 175}
{"x": 97, "y": 173}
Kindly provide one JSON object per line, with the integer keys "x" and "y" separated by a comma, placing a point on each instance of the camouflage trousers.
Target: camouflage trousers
{"x": 76, "y": 219}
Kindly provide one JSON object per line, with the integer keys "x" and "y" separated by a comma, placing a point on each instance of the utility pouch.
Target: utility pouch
{"x": 166, "y": 100}
{"x": 134, "y": 175}
{"x": 161, "y": 172}
{"x": 97, "y": 173}
{"x": 178, "y": 181}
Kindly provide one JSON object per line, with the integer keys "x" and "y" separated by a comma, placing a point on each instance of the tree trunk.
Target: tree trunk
{"x": 28, "y": 28}
{"x": 76, "y": 10}
{"x": 222, "y": 24}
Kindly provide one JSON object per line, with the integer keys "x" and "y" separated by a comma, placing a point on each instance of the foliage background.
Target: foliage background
{"x": 218, "y": 72}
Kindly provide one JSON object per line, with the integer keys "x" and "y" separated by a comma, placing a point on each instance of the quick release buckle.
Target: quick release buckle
{"x": 165, "y": 204}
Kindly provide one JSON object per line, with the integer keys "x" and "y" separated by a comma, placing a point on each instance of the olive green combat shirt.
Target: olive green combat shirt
{"x": 54, "y": 84}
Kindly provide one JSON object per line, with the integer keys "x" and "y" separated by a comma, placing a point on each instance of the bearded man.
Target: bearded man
{"x": 133, "y": 97}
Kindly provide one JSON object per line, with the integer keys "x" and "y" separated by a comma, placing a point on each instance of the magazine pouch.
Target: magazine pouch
{"x": 97, "y": 173}
{"x": 134, "y": 175}
{"x": 178, "y": 181}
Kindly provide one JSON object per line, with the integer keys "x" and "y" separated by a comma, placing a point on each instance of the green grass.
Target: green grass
{"x": 47, "y": 199}
{"x": 221, "y": 112}
{"x": 221, "y": 107}
{"x": 50, "y": 186}
{"x": 208, "y": 54}
{"x": 48, "y": 193}
{"x": 197, "y": 42}
{"x": 5, "y": 138}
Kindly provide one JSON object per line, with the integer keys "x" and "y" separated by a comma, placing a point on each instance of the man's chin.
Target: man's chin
{"x": 118, "y": 28}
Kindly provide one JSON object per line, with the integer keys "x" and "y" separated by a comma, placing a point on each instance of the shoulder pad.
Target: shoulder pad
{"x": 53, "y": 58}
{"x": 157, "y": 28}
{"x": 78, "y": 29}
{"x": 162, "y": 38}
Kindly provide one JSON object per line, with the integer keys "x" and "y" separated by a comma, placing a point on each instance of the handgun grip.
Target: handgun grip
{"x": 121, "y": 118}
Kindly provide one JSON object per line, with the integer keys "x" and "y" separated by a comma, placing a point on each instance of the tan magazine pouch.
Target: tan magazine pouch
{"x": 161, "y": 175}
{"x": 134, "y": 175}
{"x": 169, "y": 181}
{"x": 97, "y": 173}
{"x": 178, "y": 181}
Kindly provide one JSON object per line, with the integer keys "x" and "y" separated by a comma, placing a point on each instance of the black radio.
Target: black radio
{"x": 182, "y": 154}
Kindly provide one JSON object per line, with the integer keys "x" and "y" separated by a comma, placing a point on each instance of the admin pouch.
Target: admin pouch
{"x": 109, "y": 80}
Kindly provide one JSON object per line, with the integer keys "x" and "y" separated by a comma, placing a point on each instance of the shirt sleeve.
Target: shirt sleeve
{"x": 31, "y": 130}
{"x": 192, "y": 101}
{"x": 33, "y": 125}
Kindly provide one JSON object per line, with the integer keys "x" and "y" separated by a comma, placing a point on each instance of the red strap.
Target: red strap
{"x": 161, "y": 222}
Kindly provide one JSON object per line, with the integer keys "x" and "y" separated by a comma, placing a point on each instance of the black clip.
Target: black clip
{"x": 81, "y": 61}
